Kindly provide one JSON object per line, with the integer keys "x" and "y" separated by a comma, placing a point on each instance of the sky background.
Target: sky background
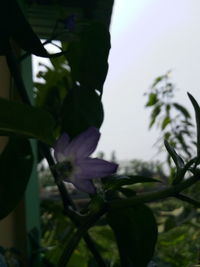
{"x": 148, "y": 37}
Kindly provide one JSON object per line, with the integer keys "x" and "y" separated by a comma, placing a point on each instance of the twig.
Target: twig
{"x": 188, "y": 200}
{"x": 74, "y": 240}
{"x": 171, "y": 191}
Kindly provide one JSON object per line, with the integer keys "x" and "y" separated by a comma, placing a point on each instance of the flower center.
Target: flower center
{"x": 65, "y": 168}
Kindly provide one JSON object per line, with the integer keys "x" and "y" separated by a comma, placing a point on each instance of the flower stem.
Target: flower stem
{"x": 67, "y": 202}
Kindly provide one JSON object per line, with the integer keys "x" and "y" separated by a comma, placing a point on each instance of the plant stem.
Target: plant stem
{"x": 67, "y": 201}
{"x": 91, "y": 245}
{"x": 73, "y": 241}
{"x": 188, "y": 200}
{"x": 71, "y": 213}
{"x": 172, "y": 191}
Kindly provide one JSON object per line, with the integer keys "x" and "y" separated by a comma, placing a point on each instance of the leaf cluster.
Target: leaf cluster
{"x": 172, "y": 119}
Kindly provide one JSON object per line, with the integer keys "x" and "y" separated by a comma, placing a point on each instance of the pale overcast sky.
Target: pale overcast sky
{"x": 149, "y": 37}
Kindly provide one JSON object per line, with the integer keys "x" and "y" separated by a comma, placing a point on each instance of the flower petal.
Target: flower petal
{"x": 84, "y": 144}
{"x": 95, "y": 168}
{"x": 60, "y": 147}
{"x": 85, "y": 186}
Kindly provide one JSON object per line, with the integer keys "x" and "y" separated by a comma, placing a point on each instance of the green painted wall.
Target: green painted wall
{"x": 32, "y": 201}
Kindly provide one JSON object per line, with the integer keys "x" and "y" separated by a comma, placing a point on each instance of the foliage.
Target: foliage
{"x": 55, "y": 228}
{"x": 70, "y": 101}
{"x": 52, "y": 91}
{"x": 172, "y": 119}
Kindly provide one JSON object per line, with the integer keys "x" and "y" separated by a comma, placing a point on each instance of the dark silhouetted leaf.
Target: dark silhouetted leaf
{"x": 183, "y": 143}
{"x": 176, "y": 158}
{"x": 135, "y": 230}
{"x": 15, "y": 169}
{"x": 197, "y": 115}
{"x": 21, "y": 119}
{"x": 14, "y": 25}
{"x": 82, "y": 108}
{"x": 88, "y": 56}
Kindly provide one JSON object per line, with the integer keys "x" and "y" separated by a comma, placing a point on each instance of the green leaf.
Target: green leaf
{"x": 14, "y": 25}
{"x": 21, "y": 119}
{"x": 82, "y": 108}
{"x": 176, "y": 158}
{"x": 165, "y": 122}
{"x": 197, "y": 115}
{"x": 182, "y": 109}
{"x": 158, "y": 79}
{"x": 88, "y": 56}
{"x": 167, "y": 135}
{"x": 15, "y": 168}
{"x": 155, "y": 112}
{"x": 153, "y": 99}
{"x": 135, "y": 230}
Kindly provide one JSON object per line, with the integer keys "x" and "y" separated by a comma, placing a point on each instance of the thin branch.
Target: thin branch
{"x": 73, "y": 241}
{"x": 188, "y": 200}
{"x": 53, "y": 37}
{"x": 67, "y": 201}
{"x": 171, "y": 191}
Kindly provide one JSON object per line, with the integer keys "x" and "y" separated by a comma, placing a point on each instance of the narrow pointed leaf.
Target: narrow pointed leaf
{"x": 182, "y": 109}
{"x": 14, "y": 25}
{"x": 21, "y": 119}
{"x": 15, "y": 170}
{"x": 154, "y": 114}
{"x": 82, "y": 108}
{"x": 153, "y": 99}
{"x": 176, "y": 158}
{"x": 197, "y": 115}
{"x": 88, "y": 56}
{"x": 157, "y": 80}
{"x": 165, "y": 122}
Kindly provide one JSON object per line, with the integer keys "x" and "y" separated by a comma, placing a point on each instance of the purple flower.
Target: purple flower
{"x": 75, "y": 164}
